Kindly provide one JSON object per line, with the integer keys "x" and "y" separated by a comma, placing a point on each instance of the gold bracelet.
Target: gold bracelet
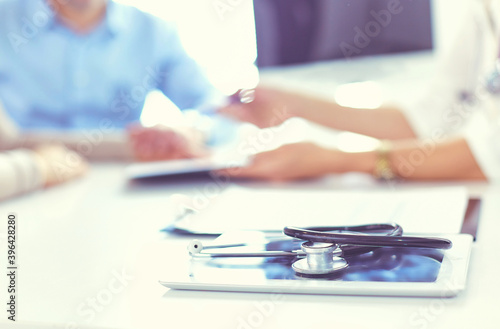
{"x": 383, "y": 169}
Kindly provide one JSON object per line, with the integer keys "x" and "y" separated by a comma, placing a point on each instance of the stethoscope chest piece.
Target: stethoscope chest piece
{"x": 321, "y": 259}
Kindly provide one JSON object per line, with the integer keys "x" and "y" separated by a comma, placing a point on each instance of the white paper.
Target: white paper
{"x": 428, "y": 211}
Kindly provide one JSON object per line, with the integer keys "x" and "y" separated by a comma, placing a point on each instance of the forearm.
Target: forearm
{"x": 385, "y": 122}
{"x": 94, "y": 145}
{"x": 20, "y": 172}
{"x": 414, "y": 160}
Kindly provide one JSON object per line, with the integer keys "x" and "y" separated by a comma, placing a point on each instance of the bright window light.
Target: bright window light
{"x": 368, "y": 95}
{"x": 221, "y": 39}
{"x": 351, "y": 142}
{"x": 158, "y": 109}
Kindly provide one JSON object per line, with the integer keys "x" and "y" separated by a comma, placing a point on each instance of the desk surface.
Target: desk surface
{"x": 91, "y": 254}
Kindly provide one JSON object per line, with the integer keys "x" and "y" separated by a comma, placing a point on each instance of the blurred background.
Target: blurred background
{"x": 223, "y": 35}
{"x": 303, "y": 44}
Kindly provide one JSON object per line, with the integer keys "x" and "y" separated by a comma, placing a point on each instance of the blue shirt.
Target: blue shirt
{"x": 54, "y": 78}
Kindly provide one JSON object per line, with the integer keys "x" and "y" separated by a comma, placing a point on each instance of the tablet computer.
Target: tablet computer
{"x": 141, "y": 170}
{"x": 412, "y": 272}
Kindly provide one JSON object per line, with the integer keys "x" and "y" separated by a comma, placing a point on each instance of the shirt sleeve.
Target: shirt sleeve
{"x": 9, "y": 131}
{"x": 19, "y": 172}
{"x": 483, "y": 135}
{"x": 442, "y": 104}
{"x": 183, "y": 81}
{"x": 455, "y": 103}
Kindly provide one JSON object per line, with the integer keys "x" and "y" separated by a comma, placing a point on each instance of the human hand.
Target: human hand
{"x": 264, "y": 107}
{"x": 164, "y": 143}
{"x": 293, "y": 161}
{"x": 58, "y": 164}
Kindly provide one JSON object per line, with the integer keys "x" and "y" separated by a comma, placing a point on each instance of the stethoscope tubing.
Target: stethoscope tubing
{"x": 351, "y": 240}
{"x": 295, "y": 253}
{"x": 393, "y": 238}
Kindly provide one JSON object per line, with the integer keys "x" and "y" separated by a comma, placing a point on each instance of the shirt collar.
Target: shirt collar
{"x": 114, "y": 20}
{"x": 40, "y": 11}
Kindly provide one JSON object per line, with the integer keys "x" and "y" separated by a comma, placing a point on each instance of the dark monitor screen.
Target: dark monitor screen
{"x": 301, "y": 31}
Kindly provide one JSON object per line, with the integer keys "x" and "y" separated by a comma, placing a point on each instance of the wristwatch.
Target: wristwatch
{"x": 383, "y": 169}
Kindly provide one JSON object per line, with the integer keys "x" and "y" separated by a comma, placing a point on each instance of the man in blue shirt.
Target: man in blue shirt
{"x": 76, "y": 64}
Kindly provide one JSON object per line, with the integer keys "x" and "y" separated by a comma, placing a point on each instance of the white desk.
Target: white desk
{"x": 76, "y": 240}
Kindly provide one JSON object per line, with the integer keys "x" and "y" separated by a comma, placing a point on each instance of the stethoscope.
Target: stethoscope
{"x": 325, "y": 249}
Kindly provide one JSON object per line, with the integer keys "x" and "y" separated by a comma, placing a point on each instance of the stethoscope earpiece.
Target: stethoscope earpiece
{"x": 195, "y": 247}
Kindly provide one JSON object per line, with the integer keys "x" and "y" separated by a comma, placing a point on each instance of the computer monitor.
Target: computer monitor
{"x": 301, "y": 31}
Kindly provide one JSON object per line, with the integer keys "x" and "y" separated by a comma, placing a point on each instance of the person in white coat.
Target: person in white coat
{"x": 453, "y": 133}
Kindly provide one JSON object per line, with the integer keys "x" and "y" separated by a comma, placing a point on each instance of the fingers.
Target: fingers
{"x": 237, "y": 111}
{"x": 263, "y": 166}
{"x": 241, "y": 106}
{"x": 149, "y": 145}
{"x": 288, "y": 162}
{"x": 163, "y": 143}
{"x": 58, "y": 164}
{"x": 262, "y": 107}
{"x": 154, "y": 144}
